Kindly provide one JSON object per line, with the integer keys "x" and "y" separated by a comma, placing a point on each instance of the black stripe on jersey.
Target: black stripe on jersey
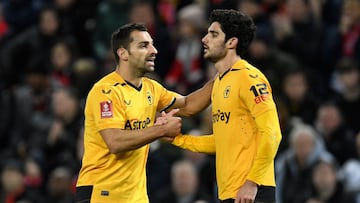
{"x": 168, "y": 106}
{"x": 221, "y": 76}
{"x": 133, "y": 86}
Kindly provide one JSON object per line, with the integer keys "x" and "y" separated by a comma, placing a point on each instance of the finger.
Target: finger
{"x": 163, "y": 113}
{"x": 173, "y": 112}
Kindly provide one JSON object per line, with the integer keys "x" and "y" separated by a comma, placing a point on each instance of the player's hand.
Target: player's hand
{"x": 173, "y": 123}
{"x": 161, "y": 120}
{"x": 246, "y": 193}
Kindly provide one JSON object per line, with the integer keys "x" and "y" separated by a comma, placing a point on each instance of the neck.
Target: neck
{"x": 128, "y": 75}
{"x": 225, "y": 64}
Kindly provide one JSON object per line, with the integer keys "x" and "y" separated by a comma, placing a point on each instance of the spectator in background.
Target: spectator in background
{"x": 59, "y": 188}
{"x": 32, "y": 112}
{"x": 326, "y": 187}
{"x": 293, "y": 167}
{"x": 34, "y": 175}
{"x": 349, "y": 172}
{"x": 62, "y": 56}
{"x": 78, "y": 18}
{"x": 256, "y": 10}
{"x": 109, "y": 15}
{"x": 338, "y": 138}
{"x": 33, "y": 44}
{"x": 13, "y": 188}
{"x": 349, "y": 27}
{"x": 296, "y": 25}
{"x": 20, "y": 14}
{"x": 67, "y": 122}
{"x": 187, "y": 71}
{"x": 347, "y": 91}
{"x": 185, "y": 185}
{"x": 298, "y": 96}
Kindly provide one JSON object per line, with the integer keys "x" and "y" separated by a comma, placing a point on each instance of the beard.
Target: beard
{"x": 214, "y": 57}
{"x": 215, "y": 54}
{"x": 141, "y": 65}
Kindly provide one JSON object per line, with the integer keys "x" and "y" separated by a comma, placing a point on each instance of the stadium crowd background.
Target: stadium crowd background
{"x": 52, "y": 51}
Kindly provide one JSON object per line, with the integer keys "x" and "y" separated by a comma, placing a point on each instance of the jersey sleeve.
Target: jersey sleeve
{"x": 199, "y": 143}
{"x": 256, "y": 93}
{"x": 105, "y": 108}
{"x": 167, "y": 98}
{"x": 270, "y": 137}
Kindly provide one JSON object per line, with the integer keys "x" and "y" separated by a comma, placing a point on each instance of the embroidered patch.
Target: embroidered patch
{"x": 106, "y": 109}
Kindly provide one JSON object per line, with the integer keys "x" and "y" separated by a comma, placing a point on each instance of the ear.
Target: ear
{"x": 232, "y": 43}
{"x": 123, "y": 54}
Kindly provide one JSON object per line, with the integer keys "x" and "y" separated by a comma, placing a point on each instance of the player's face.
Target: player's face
{"x": 142, "y": 53}
{"x": 214, "y": 43}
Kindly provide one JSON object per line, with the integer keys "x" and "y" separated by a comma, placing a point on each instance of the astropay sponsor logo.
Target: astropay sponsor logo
{"x": 136, "y": 124}
{"x": 220, "y": 116}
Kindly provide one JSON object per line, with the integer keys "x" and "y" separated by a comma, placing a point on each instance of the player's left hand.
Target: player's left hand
{"x": 161, "y": 120}
{"x": 247, "y": 193}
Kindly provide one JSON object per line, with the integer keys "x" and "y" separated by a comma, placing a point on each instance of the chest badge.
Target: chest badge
{"x": 227, "y": 92}
{"x": 149, "y": 98}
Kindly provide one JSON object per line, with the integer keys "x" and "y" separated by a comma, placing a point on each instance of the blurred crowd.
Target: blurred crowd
{"x": 52, "y": 51}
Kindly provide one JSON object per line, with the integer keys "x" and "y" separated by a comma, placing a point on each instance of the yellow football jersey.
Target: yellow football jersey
{"x": 246, "y": 131}
{"x": 114, "y": 103}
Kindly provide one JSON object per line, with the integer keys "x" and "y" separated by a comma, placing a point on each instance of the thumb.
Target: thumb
{"x": 173, "y": 112}
{"x": 163, "y": 114}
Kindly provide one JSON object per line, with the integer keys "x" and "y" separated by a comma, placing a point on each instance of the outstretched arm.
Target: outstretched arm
{"x": 196, "y": 101}
{"x": 195, "y": 143}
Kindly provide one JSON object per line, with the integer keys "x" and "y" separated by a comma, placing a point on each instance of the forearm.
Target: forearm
{"x": 268, "y": 125}
{"x": 196, "y": 101}
{"x": 200, "y": 143}
{"x": 119, "y": 140}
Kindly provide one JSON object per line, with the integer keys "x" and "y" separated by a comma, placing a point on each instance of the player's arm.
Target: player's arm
{"x": 119, "y": 140}
{"x": 196, "y": 143}
{"x": 269, "y": 128}
{"x": 195, "y": 102}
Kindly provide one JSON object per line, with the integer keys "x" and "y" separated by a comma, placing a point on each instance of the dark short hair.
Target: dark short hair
{"x": 121, "y": 37}
{"x": 235, "y": 24}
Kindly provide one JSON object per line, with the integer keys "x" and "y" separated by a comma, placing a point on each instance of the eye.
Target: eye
{"x": 143, "y": 45}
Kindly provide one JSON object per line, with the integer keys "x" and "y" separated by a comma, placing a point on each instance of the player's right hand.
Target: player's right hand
{"x": 173, "y": 123}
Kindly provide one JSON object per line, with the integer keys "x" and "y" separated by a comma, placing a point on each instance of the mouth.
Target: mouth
{"x": 206, "y": 48}
{"x": 151, "y": 61}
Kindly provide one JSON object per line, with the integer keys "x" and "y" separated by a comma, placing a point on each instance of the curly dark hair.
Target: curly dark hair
{"x": 235, "y": 24}
{"x": 121, "y": 37}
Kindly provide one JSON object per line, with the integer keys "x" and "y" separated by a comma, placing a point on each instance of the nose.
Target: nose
{"x": 204, "y": 39}
{"x": 153, "y": 49}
